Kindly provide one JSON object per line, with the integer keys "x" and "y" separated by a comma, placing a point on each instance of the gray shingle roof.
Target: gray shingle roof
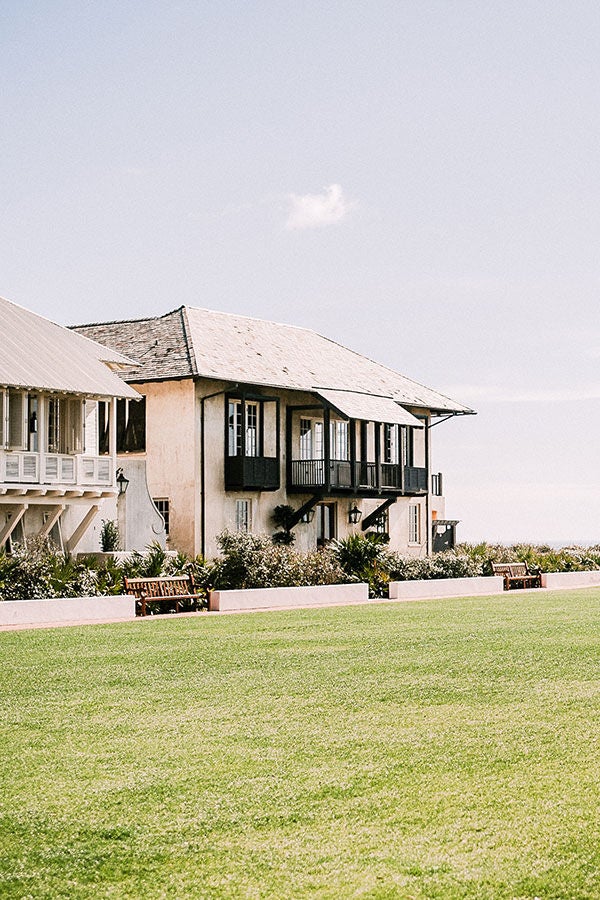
{"x": 38, "y": 354}
{"x": 191, "y": 341}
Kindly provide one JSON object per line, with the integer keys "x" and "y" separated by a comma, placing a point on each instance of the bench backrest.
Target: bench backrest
{"x": 177, "y": 585}
{"x": 513, "y": 570}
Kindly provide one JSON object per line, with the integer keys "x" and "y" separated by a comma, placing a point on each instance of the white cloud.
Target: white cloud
{"x": 317, "y": 210}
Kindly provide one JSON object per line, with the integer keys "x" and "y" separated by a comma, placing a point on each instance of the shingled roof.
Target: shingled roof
{"x": 191, "y": 342}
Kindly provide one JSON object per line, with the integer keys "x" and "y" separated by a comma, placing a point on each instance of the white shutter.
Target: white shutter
{"x": 2, "y": 417}
{"x": 75, "y": 426}
{"x": 16, "y": 420}
{"x": 91, "y": 427}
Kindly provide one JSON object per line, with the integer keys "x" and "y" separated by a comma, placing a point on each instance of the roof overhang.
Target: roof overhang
{"x": 368, "y": 407}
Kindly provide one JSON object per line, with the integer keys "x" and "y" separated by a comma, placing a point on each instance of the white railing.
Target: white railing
{"x": 23, "y": 467}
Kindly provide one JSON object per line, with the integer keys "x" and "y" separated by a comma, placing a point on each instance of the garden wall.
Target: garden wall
{"x": 432, "y": 588}
{"x": 66, "y": 609}
{"x": 275, "y": 598}
{"x": 570, "y": 579}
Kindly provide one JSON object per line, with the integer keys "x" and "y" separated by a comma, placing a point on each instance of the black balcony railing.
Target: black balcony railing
{"x": 258, "y": 473}
{"x": 415, "y": 480}
{"x": 368, "y": 476}
{"x": 437, "y": 488}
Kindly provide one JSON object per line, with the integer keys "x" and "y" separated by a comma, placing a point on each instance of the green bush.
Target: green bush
{"x": 254, "y": 561}
{"x": 364, "y": 558}
{"x": 110, "y": 539}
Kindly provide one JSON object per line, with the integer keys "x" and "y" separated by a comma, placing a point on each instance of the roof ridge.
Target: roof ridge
{"x": 128, "y": 321}
{"x": 191, "y": 353}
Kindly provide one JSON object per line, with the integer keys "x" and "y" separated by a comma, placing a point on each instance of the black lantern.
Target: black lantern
{"x": 355, "y": 515}
{"x": 122, "y": 482}
{"x": 308, "y": 517}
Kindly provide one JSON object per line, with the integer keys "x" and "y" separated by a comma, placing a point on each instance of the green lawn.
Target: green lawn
{"x": 421, "y": 750}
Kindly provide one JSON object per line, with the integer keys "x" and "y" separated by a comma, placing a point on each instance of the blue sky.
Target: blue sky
{"x": 418, "y": 180}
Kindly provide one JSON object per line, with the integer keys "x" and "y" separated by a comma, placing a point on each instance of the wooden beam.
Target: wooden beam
{"x": 52, "y": 520}
{"x": 83, "y": 526}
{"x": 306, "y": 507}
{"x": 372, "y": 517}
{"x": 12, "y": 523}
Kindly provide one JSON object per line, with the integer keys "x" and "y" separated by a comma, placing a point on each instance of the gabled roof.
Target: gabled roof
{"x": 38, "y": 354}
{"x": 192, "y": 342}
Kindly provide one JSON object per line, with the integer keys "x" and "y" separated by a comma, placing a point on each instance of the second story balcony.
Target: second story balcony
{"x": 356, "y": 477}
{"x": 55, "y": 470}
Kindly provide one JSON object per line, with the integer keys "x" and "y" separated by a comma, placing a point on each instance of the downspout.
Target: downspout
{"x": 202, "y": 465}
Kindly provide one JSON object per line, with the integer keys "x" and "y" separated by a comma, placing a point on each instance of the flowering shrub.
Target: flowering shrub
{"x": 40, "y": 571}
{"x": 254, "y": 561}
{"x": 449, "y": 564}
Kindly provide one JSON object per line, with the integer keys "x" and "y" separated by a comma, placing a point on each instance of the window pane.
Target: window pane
{"x": 235, "y": 428}
{"x": 243, "y": 515}
{"x": 251, "y": 429}
{"x": 305, "y": 439}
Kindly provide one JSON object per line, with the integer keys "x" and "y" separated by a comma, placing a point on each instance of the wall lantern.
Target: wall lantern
{"x": 355, "y": 515}
{"x": 122, "y": 482}
{"x": 308, "y": 517}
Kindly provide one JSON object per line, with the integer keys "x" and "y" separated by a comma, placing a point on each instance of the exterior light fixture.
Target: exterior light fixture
{"x": 308, "y": 517}
{"x": 122, "y": 482}
{"x": 355, "y": 515}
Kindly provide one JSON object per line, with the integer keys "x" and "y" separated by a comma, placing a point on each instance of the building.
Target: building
{"x": 243, "y": 415}
{"x": 61, "y": 402}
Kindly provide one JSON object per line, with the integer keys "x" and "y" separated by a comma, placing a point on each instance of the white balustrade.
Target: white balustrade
{"x": 23, "y": 467}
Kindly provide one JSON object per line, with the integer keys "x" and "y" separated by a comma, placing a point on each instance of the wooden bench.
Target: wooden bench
{"x": 169, "y": 591}
{"x": 517, "y": 575}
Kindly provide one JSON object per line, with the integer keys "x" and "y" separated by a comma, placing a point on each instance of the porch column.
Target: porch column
{"x": 327, "y": 448}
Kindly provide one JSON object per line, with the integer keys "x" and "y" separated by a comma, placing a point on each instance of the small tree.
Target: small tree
{"x": 110, "y": 538}
{"x": 282, "y": 516}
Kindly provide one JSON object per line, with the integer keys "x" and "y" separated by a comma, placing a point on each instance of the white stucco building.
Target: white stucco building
{"x": 60, "y": 396}
{"x": 243, "y": 415}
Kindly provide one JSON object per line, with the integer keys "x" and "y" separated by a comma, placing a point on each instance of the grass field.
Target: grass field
{"x": 424, "y": 750}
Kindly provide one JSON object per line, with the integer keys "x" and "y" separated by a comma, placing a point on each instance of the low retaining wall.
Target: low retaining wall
{"x": 570, "y": 579}
{"x": 66, "y": 609}
{"x": 272, "y": 598}
{"x": 432, "y": 588}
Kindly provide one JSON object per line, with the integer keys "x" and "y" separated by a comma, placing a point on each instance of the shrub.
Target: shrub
{"x": 110, "y": 540}
{"x": 253, "y": 561}
{"x": 364, "y": 558}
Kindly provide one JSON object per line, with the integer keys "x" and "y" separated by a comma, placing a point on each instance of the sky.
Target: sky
{"x": 416, "y": 180}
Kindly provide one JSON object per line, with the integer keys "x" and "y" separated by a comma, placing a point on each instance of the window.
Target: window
{"x": 407, "y": 445}
{"x": 103, "y": 427}
{"x": 390, "y": 444}
{"x": 414, "y": 523}
{"x": 340, "y": 448}
{"x": 382, "y": 524}
{"x": 14, "y": 420}
{"x": 306, "y": 442}
{"x": 326, "y": 523}
{"x": 243, "y": 515}
{"x": 54, "y": 416}
{"x": 32, "y": 423}
{"x": 65, "y": 425}
{"x": 162, "y": 505}
{"x": 252, "y": 429}
{"x": 131, "y": 426}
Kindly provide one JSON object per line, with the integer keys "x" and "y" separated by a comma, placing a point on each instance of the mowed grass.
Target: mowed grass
{"x": 419, "y": 750}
